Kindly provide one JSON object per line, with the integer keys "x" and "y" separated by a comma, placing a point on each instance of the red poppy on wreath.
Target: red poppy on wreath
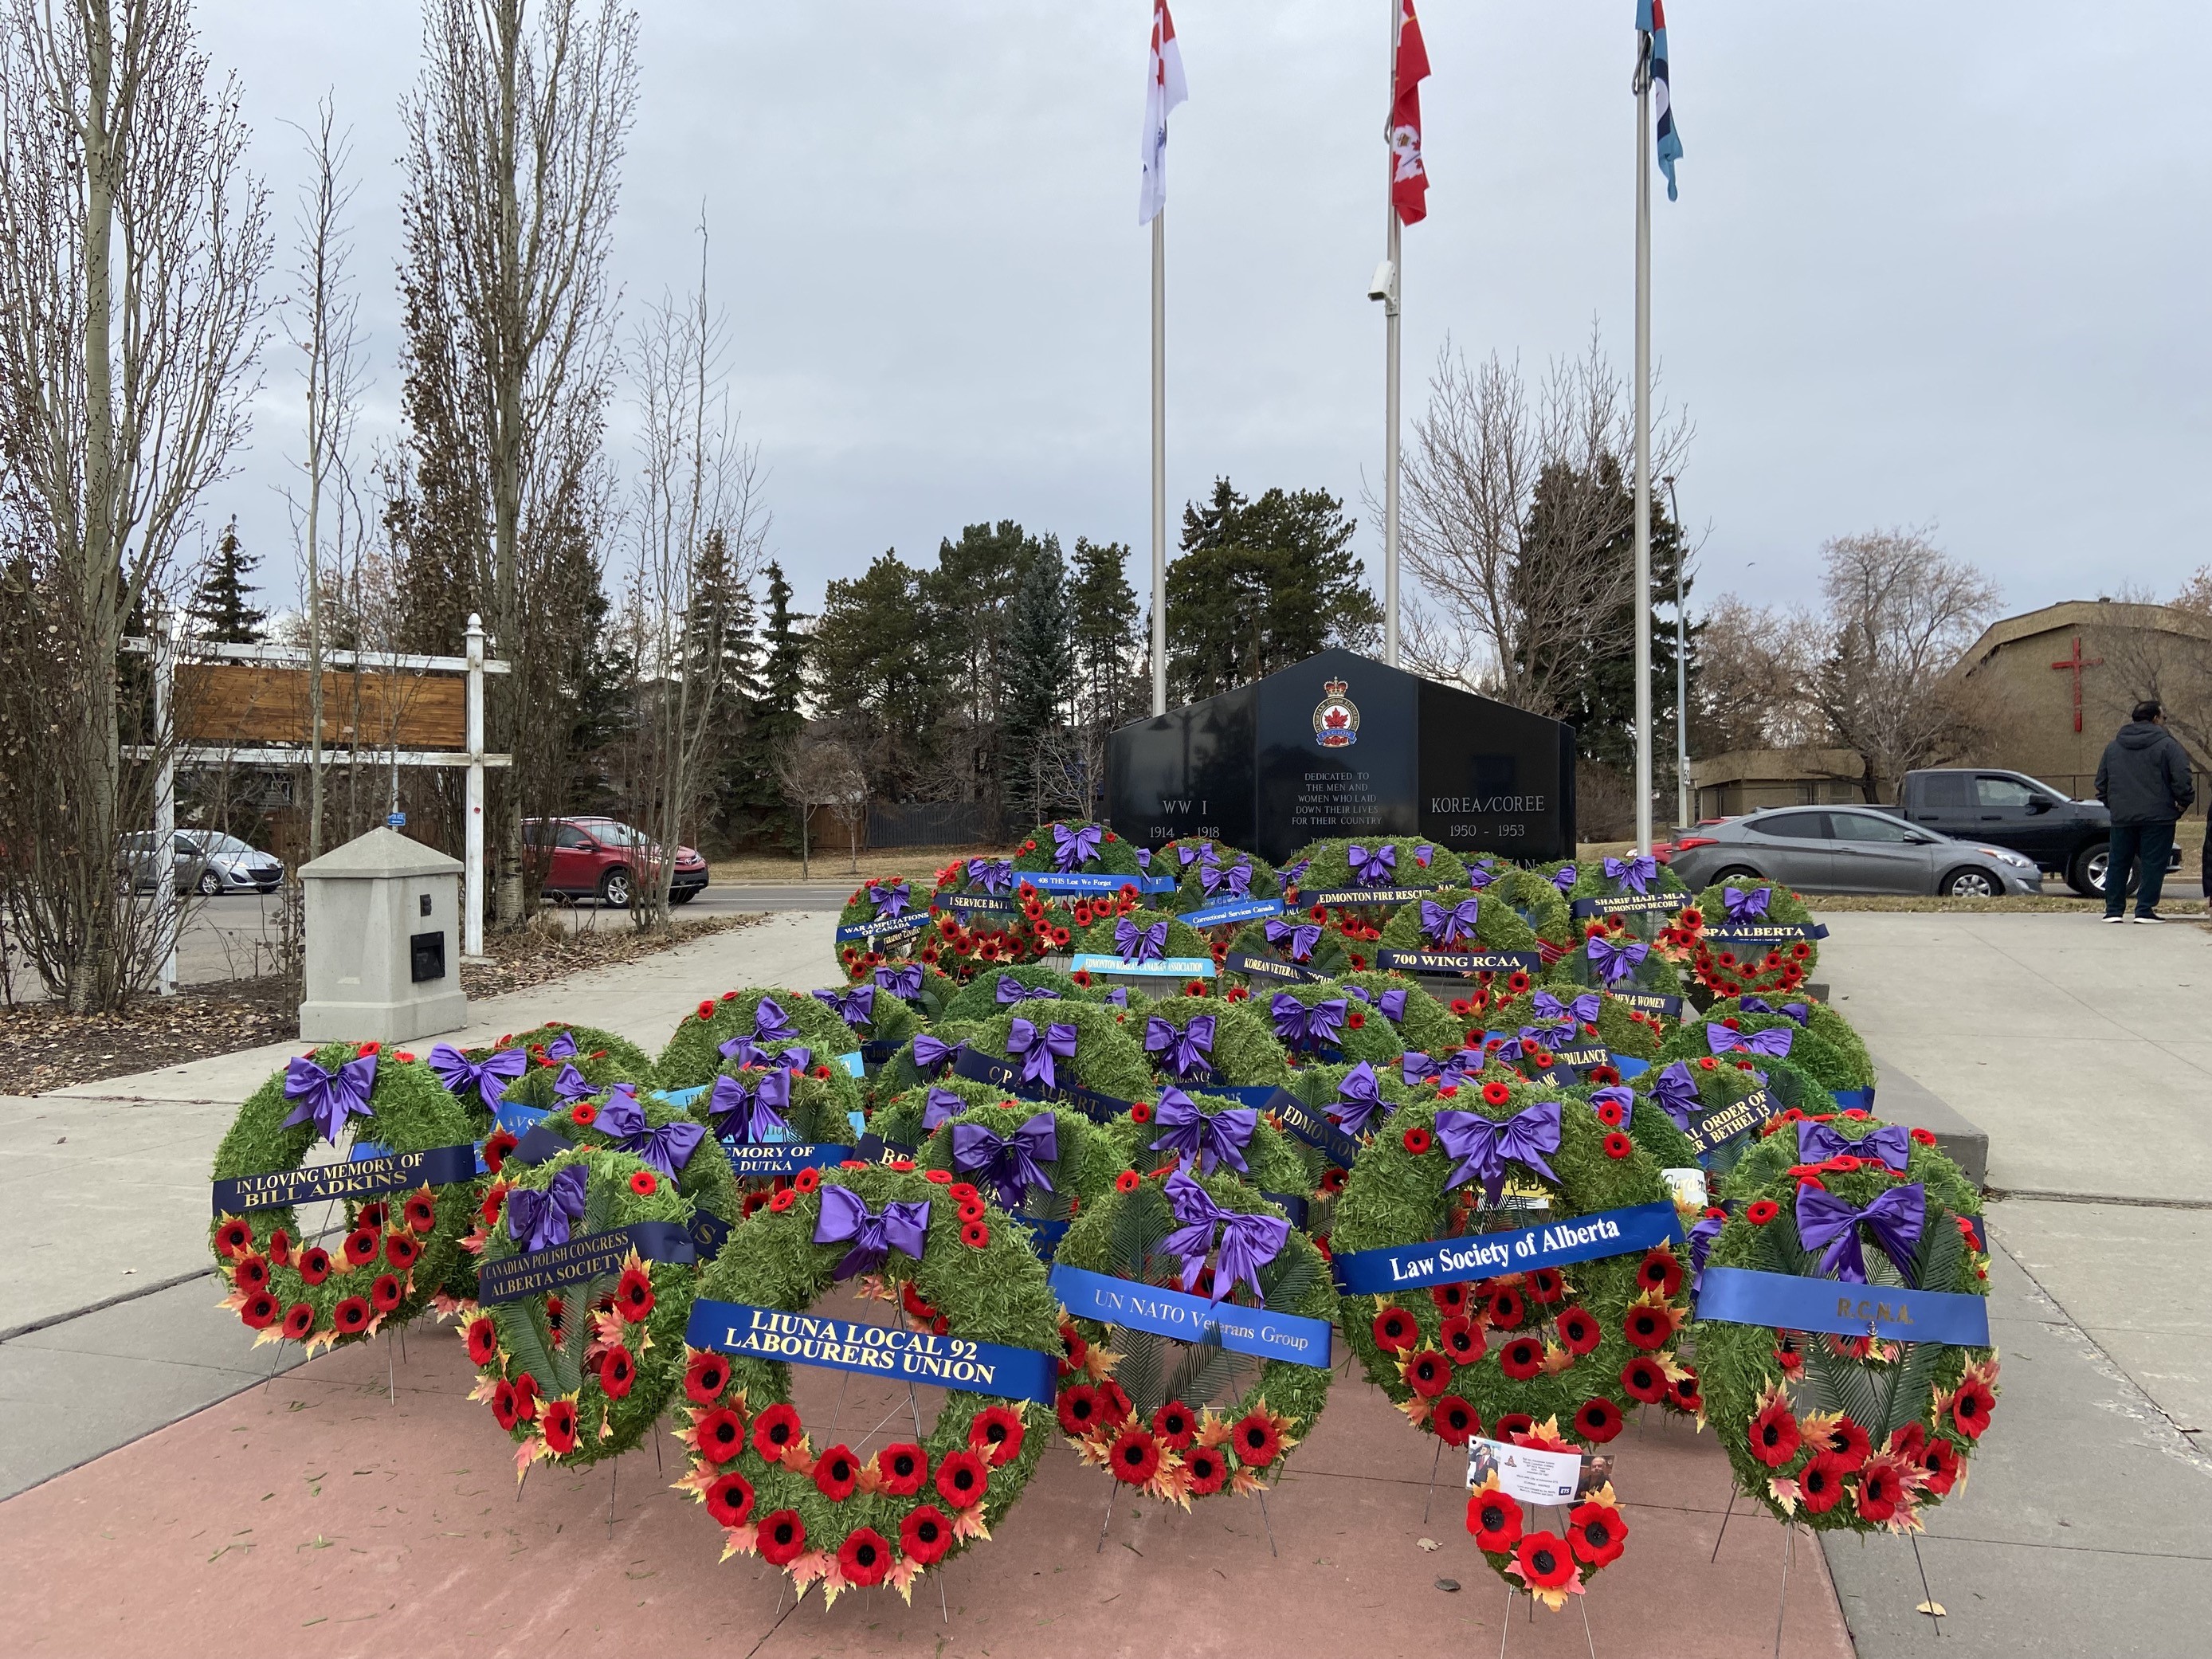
{"x": 900, "y": 1469}
{"x": 559, "y": 1427}
{"x": 1544, "y": 1561}
{"x": 634, "y": 1294}
{"x": 1851, "y": 1444}
{"x": 705, "y": 1377}
{"x": 1516, "y": 981}
{"x": 1428, "y": 1372}
{"x": 1884, "y": 1485}
{"x": 1521, "y": 1358}
{"x": 585, "y": 1113}
{"x": 1333, "y": 1180}
{"x": 1395, "y": 1331}
{"x": 386, "y": 1292}
{"x": 1462, "y": 1340}
{"x": 1142, "y": 1112}
{"x": 1505, "y": 1309}
{"x": 1114, "y": 1406}
{"x": 1174, "y": 1425}
{"x": 234, "y": 1237}
{"x": 483, "y": 1338}
{"x": 1077, "y": 1409}
{"x": 1820, "y": 1483}
{"x": 730, "y": 1499}
{"x": 975, "y": 1234}
{"x": 1135, "y": 1457}
{"x": 1255, "y": 1441}
{"x": 806, "y": 1181}
{"x": 400, "y": 1250}
{"x": 1939, "y": 1466}
{"x": 1356, "y": 1019}
{"x": 1597, "y": 1421}
{"x": 361, "y": 1245}
{"x": 1707, "y": 1063}
{"x": 1547, "y": 1285}
{"x": 644, "y": 1184}
{"x": 503, "y": 1402}
{"x": 1579, "y": 1331}
{"x": 1596, "y": 1533}
{"x": 1684, "y": 1395}
{"x": 1451, "y": 1298}
{"x": 1759, "y": 1212}
{"x": 617, "y": 1371}
{"x": 421, "y": 1214}
{"x": 836, "y": 1473}
{"x": 925, "y": 1535}
{"x": 251, "y": 1272}
{"x": 774, "y": 1431}
{"x": 1971, "y": 1405}
{"x": 864, "y": 1558}
{"x": 1609, "y": 1113}
{"x": 995, "y": 1436}
{"x": 1454, "y": 1420}
{"x": 1774, "y": 1432}
{"x": 782, "y": 1538}
{"x": 1659, "y": 1272}
{"x": 961, "y": 1479}
{"x": 260, "y": 1310}
{"x": 1417, "y": 1139}
{"x": 300, "y": 1321}
{"x": 781, "y": 1200}
{"x": 1643, "y": 1380}
{"x": 1494, "y": 1518}
{"x": 1647, "y": 1326}
{"x": 1923, "y": 1137}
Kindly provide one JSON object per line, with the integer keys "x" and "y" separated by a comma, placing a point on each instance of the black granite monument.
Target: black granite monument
{"x": 1343, "y": 746}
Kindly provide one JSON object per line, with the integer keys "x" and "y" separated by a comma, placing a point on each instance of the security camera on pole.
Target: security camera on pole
{"x": 1651, "y": 72}
{"x": 1407, "y": 205}
{"x": 1163, "y": 90}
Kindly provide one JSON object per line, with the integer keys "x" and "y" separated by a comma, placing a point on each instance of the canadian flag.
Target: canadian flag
{"x": 1163, "y": 90}
{"x": 1409, "y": 177}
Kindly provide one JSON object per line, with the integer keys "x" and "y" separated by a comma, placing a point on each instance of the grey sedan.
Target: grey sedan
{"x": 1844, "y": 849}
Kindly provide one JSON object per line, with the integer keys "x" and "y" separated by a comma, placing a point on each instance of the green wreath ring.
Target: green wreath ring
{"x": 1086, "y": 1159}
{"x": 1178, "y": 1419}
{"x": 401, "y": 1235}
{"x": 1859, "y": 1433}
{"x": 886, "y": 921}
{"x": 580, "y": 1369}
{"x": 833, "y": 1516}
{"x": 1730, "y": 969}
{"x": 769, "y": 1020}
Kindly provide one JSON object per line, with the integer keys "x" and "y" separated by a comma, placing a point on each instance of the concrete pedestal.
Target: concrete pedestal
{"x": 383, "y": 942}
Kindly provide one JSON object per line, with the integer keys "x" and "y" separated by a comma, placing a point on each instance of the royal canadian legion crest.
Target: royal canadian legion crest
{"x": 1336, "y": 718}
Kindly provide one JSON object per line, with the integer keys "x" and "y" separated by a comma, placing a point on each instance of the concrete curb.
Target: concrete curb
{"x": 1900, "y": 1098}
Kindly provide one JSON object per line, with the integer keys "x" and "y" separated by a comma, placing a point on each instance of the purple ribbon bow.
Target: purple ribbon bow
{"x": 1391, "y": 1005}
{"x": 1581, "y": 1010}
{"x": 1118, "y": 996}
{"x": 1143, "y": 859}
{"x": 1799, "y": 1012}
{"x": 938, "y": 1105}
{"x": 1817, "y": 1142}
{"x": 1304, "y": 1026}
{"x": 1010, "y": 1163}
{"x": 933, "y": 1054}
{"x": 1074, "y": 848}
{"x": 1237, "y": 878}
{"x": 1479, "y": 876}
{"x": 1773, "y": 1041}
{"x": 1563, "y": 879}
{"x": 1422, "y": 854}
{"x": 901, "y": 1227}
{"x": 1288, "y": 878}
{"x": 771, "y": 1023}
{"x": 1249, "y": 1243}
{"x": 1221, "y": 1139}
{"x": 1414, "y": 1068}
{"x": 1446, "y": 924}
{"x": 1703, "y": 1232}
{"x": 1616, "y": 1094}
{"x": 1549, "y": 1037}
{"x": 904, "y": 982}
{"x": 571, "y": 1085}
{"x": 855, "y": 1007}
{"x": 997, "y": 875}
{"x": 746, "y": 1052}
{"x": 757, "y": 1109}
{"x": 538, "y": 1221}
{"x": 890, "y": 898}
{"x": 1616, "y": 962}
{"x": 1141, "y": 943}
{"x": 1674, "y": 1091}
{"x": 1186, "y": 855}
{"x": 668, "y": 1148}
{"x": 563, "y": 1046}
{"x": 1830, "y": 1225}
{"x": 488, "y": 1077}
{"x": 1359, "y": 1101}
{"x": 1746, "y": 906}
{"x": 328, "y": 1099}
{"x": 1188, "y": 1049}
{"x": 1302, "y": 937}
{"x": 1038, "y": 1050}
{"x": 1484, "y": 1146}
{"x": 1012, "y": 991}
{"x": 1378, "y": 868}
{"x": 1632, "y": 875}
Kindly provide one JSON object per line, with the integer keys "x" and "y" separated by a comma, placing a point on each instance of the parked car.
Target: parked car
{"x": 600, "y": 858}
{"x": 226, "y": 865}
{"x": 1849, "y": 850}
{"x": 137, "y": 853}
{"x": 2064, "y": 836}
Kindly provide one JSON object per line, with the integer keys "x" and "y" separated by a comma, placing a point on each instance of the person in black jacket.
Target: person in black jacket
{"x": 2146, "y": 781}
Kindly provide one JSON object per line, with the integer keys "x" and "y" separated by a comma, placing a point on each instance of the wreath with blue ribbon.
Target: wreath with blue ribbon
{"x": 1752, "y": 937}
{"x": 749, "y": 1026}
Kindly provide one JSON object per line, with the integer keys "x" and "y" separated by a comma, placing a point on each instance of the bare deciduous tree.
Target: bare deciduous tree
{"x": 824, "y": 771}
{"x": 2163, "y": 654}
{"x": 133, "y": 243}
{"x": 1749, "y": 692}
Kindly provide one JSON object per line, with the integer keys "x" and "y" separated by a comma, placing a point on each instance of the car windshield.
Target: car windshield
{"x": 613, "y": 834}
{"x": 211, "y": 842}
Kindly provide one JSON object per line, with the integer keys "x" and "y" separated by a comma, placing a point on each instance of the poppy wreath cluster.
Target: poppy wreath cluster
{"x": 1828, "y": 1046}
{"x": 1573, "y": 1346}
{"x": 907, "y": 1119}
{"x": 399, "y": 1249}
{"x": 1209, "y": 872}
{"x": 1178, "y": 1420}
{"x": 1611, "y": 958}
{"x": 730, "y": 1025}
{"x": 1618, "y": 878}
{"x": 1101, "y": 927}
{"x": 966, "y": 943}
{"x": 890, "y": 899}
{"x": 1008, "y": 1164}
{"x": 1497, "y": 928}
{"x": 567, "y": 1061}
{"x": 1536, "y": 1559}
{"x": 1326, "y": 866}
{"x": 927, "y": 1057}
{"x": 990, "y": 994}
{"x": 1774, "y": 1154}
{"x": 1360, "y": 1098}
{"x": 1107, "y": 1057}
{"x": 611, "y": 1120}
{"x": 1859, "y": 1434}
{"x": 1760, "y": 1038}
{"x": 1551, "y": 1008}
{"x": 1677, "y": 1094}
{"x": 582, "y": 1372}
{"x": 825, "y": 1515}
{"x": 1753, "y": 966}
{"x": 1192, "y": 1041}
{"x": 1068, "y": 848}
{"x": 1155, "y": 1133}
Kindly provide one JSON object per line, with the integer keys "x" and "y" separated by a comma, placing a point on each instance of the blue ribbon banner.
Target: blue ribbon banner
{"x": 539, "y": 1144}
{"x": 1631, "y": 904}
{"x": 1724, "y": 1123}
{"x": 709, "y": 1232}
{"x": 1849, "y": 1100}
{"x": 1004, "y": 1074}
{"x": 1080, "y": 881}
{"x": 1461, "y": 961}
{"x": 1783, "y": 1302}
{"x": 1268, "y": 968}
{"x": 391, "y": 1172}
{"x": 880, "y": 1052}
{"x": 1309, "y": 1123}
{"x": 1486, "y": 1255}
{"x": 581, "y": 1259}
{"x": 1364, "y": 894}
{"x": 516, "y": 1119}
{"x": 872, "y": 1148}
{"x": 912, "y": 922}
{"x": 1136, "y": 1307}
{"x": 840, "y": 1344}
{"x": 1233, "y": 910}
{"x": 1650, "y": 1002}
{"x": 856, "y": 1063}
{"x": 1158, "y": 968}
{"x": 748, "y": 1160}
{"x": 981, "y": 904}
{"x": 1767, "y": 932}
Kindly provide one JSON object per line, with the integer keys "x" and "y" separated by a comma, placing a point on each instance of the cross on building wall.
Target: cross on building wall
{"x": 2077, "y": 662}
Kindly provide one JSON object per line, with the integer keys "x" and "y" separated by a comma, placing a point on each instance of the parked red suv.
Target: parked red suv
{"x": 600, "y": 858}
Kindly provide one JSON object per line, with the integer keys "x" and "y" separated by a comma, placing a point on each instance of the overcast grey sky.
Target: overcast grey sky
{"x": 1931, "y": 264}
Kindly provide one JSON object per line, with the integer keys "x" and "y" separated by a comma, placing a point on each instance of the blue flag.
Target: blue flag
{"x": 1651, "y": 20}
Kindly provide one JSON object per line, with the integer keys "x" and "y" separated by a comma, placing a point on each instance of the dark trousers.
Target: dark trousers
{"x": 2151, "y": 842}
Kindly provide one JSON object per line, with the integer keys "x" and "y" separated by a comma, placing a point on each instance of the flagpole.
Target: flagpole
{"x": 1391, "y": 368}
{"x": 1160, "y": 463}
{"x": 1644, "y": 445}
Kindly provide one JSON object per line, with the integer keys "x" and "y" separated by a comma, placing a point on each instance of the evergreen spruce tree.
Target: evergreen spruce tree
{"x": 218, "y": 611}
{"x": 754, "y": 809}
{"x": 1040, "y": 672}
{"x": 1104, "y": 636}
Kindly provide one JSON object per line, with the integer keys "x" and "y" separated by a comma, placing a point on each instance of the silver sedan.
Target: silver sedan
{"x": 1849, "y": 849}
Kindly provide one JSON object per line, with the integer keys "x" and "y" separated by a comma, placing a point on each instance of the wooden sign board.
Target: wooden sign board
{"x": 251, "y": 702}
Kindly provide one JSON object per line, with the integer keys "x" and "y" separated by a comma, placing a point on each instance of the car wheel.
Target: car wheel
{"x": 614, "y": 888}
{"x": 1970, "y": 884}
{"x": 2086, "y": 876}
{"x": 684, "y": 895}
{"x": 210, "y": 884}
{"x": 1736, "y": 872}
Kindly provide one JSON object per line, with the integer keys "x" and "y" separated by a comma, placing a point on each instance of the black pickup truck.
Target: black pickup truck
{"x": 2066, "y": 837}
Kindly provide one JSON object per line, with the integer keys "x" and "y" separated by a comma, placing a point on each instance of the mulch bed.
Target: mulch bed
{"x": 42, "y": 1049}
